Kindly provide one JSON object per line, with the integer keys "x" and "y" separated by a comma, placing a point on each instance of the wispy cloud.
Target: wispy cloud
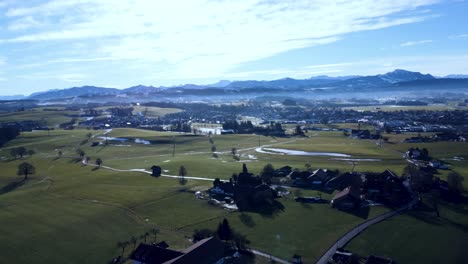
{"x": 202, "y": 37}
{"x": 331, "y": 65}
{"x": 414, "y": 43}
{"x": 461, "y": 36}
{"x": 65, "y": 77}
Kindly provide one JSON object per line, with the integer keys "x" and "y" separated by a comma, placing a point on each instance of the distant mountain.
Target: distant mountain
{"x": 326, "y": 77}
{"x": 285, "y": 83}
{"x": 324, "y": 84}
{"x": 457, "y": 76}
{"x": 12, "y": 97}
{"x": 440, "y": 83}
{"x": 140, "y": 89}
{"x": 219, "y": 84}
{"x": 73, "y": 92}
{"x": 404, "y": 76}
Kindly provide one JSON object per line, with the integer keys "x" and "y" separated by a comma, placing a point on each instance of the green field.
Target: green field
{"x": 67, "y": 210}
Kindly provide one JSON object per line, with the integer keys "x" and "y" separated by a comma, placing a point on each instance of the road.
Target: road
{"x": 268, "y": 256}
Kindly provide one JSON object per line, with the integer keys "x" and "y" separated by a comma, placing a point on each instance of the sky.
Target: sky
{"x": 111, "y": 43}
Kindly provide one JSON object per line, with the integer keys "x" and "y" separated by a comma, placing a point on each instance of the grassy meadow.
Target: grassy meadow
{"x": 68, "y": 212}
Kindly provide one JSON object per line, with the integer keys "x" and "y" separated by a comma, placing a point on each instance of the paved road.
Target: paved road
{"x": 359, "y": 228}
{"x": 268, "y": 256}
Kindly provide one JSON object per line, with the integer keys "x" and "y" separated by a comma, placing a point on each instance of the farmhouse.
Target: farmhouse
{"x": 340, "y": 182}
{"x": 385, "y": 187}
{"x": 347, "y": 199}
{"x": 318, "y": 177}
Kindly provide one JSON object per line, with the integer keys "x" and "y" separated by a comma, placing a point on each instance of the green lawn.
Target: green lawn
{"x": 67, "y": 210}
{"x": 419, "y": 236}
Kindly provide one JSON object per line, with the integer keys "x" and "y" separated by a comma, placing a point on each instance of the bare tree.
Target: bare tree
{"x": 155, "y": 233}
{"x": 26, "y": 169}
{"x": 182, "y": 173}
{"x": 99, "y": 162}
{"x": 133, "y": 240}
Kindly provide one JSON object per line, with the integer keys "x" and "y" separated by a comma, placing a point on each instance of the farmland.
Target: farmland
{"x": 82, "y": 212}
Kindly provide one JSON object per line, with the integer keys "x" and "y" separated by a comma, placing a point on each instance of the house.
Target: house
{"x": 283, "y": 171}
{"x": 223, "y": 188}
{"x": 149, "y": 254}
{"x": 298, "y": 175}
{"x": 227, "y": 131}
{"x": 250, "y": 192}
{"x": 156, "y": 171}
{"x": 318, "y": 177}
{"x": 207, "y": 251}
{"x": 437, "y": 165}
{"x": 385, "y": 187}
{"x": 347, "y": 179}
{"x": 358, "y": 133}
{"x": 347, "y": 199}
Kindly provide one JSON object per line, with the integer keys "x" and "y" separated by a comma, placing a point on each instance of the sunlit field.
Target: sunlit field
{"x": 78, "y": 209}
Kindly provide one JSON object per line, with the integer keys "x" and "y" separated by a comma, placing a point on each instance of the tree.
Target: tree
{"x": 267, "y": 173}
{"x": 60, "y": 153}
{"x": 419, "y": 179}
{"x": 89, "y": 135}
{"x": 233, "y": 151}
{"x": 308, "y": 166}
{"x": 213, "y": 148}
{"x": 87, "y": 159}
{"x": 133, "y": 240}
{"x": 155, "y": 233}
{"x": 144, "y": 236}
{"x": 216, "y": 182}
{"x": 13, "y": 152}
{"x": 454, "y": 181}
{"x": 123, "y": 245}
{"x": 31, "y": 152}
{"x": 224, "y": 231}
{"x": 26, "y": 169}
{"x": 99, "y": 162}
{"x": 182, "y": 173}
{"x": 80, "y": 152}
{"x": 211, "y": 139}
{"x": 200, "y": 234}
{"x": 240, "y": 240}
{"x": 21, "y": 151}
{"x": 298, "y": 131}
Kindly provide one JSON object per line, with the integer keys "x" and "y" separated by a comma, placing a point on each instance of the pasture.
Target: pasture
{"x": 72, "y": 213}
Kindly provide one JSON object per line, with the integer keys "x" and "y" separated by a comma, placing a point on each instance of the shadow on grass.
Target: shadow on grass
{"x": 95, "y": 168}
{"x": 318, "y": 188}
{"x": 362, "y": 212}
{"x": 12, "y": 186}
{"x": 247, "y": 220}
{"x": 428, "y": 218}
{"x": 75, "y": 160}
{"x": 269, "y": 211}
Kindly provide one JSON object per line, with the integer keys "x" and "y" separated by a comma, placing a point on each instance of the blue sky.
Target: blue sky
{"x": 65, "y": 43}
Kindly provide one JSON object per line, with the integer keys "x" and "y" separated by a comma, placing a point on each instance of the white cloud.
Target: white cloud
{"x": 461, "y": 36}
{"x": 413, "y": 43}
{"x": 65, "y": 77}
{"x": 23, "y": 23}
{"x": 197, "y": 38}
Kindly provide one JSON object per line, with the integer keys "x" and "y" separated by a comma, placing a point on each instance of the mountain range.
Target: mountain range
{"x": 391, "y": 80}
